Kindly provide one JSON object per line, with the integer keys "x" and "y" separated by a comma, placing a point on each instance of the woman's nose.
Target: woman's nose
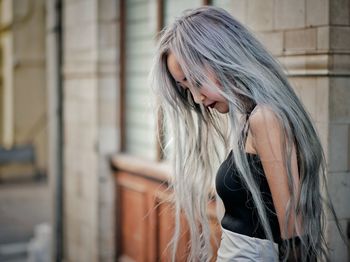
{"x": 199, "y": 98}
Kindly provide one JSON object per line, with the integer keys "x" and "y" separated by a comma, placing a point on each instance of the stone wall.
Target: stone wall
{"x": 23, "y": 90}
{"x": 311, "y": 38}
{"x": 90, "y": 128}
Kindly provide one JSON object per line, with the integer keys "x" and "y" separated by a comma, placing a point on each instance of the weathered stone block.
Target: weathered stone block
{"x": 340, "y": 38}
{"x": 79, "y": 13}
{"x": 306, "y": 90}
{"x": 88, "y": 251}
{"x": 107, "y": 35}
{"x": 108, "y": 113}
{"x": 260, "y": 15}
{"x": 70, "y": 246}
{"x": 322, "y": 99}
{"x": 317, "y": 12}
{"x": 300, "y": 40}
{"x": 338, "y": 148}
{"x": 108, "y": 140}
{"x": 237, "y": 8}
{"x": 339, "y": 97}
{"x": 107, "y": 89}
{"x": 338, "y": 249}
{"x": 79, "y": 40}
{"x": 339, "y": 188}
{"x": 273, "y": 41}
{"x": 323, "y": 133}
{"x": 323, "y": 40}
{"x": 339, "y": 64}
{"x": 301, "y": 64}
{"x": 86, "y": 90}
{"x": 339, "y": 12}
{"x": 6, "y": 15}
{"x": 289, "y": 14}
{"x": 79, "y": 65}
{"x": 108, "y": 10}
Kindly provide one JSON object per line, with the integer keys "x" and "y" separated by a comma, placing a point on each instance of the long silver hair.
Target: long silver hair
{"x": 209, "y": 38}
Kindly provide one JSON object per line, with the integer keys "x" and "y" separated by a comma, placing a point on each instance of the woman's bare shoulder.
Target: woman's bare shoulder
{"x": 263, "y": 116}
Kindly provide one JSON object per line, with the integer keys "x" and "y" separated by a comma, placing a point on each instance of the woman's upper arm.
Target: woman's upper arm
{"x": 268, "y": 142}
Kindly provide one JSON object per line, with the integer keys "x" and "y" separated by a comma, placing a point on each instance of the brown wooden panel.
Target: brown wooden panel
{"x": 132, "y": 224}
{"x": 165, "y": 230}
{"x": 146, "y": 220}
{"x": 148, "y": 186}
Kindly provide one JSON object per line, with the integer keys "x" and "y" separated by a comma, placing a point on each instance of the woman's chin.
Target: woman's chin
{"x": 221, "y": 108}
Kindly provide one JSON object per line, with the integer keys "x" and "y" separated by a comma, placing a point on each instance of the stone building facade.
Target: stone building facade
{"x": 311, "y": 39}
{"x": 23, "y": 119}
{"x": 90, "y": 85}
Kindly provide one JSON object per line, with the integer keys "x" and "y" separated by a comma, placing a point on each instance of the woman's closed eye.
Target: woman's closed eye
{"x": 182, "y": 90}
{"x": 197, "y": 83}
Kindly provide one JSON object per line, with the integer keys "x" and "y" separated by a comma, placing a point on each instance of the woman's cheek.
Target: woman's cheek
{"x": 211, "y": 95}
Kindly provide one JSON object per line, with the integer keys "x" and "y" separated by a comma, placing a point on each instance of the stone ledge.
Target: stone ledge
{"x": 323, "y": 64}
{"x": 89, "y": 70}
{"x": 159, "y": 171}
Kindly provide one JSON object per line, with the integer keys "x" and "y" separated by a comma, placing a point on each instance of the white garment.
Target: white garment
{"x": 238, "y": 247}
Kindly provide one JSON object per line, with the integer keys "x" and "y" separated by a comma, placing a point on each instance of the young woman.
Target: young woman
{"x": 272, "y": 161}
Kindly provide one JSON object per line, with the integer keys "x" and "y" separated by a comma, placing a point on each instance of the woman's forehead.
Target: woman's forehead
{"x": 178, "y": 74}
{"x": 175, "y": 68}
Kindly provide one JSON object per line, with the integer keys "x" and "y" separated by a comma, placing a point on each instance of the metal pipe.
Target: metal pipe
{"x": 55, "y": 113}
{"x": 60, "y": 158}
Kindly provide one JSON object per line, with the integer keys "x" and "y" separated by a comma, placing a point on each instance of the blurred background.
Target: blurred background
{"x": 82, "y": 176}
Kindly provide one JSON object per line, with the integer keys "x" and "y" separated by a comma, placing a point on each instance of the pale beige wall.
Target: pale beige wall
{"x": 298, "y": 32}
{"x": 1, "y": 97}
{"x": 80, "y": 131}
{"x": 6, "y": 72}
{"x": 140, "y": 139}
{"x": 29, "y": 83}
{"x": 90, "y": 127}
{"x": 23, "y": 100}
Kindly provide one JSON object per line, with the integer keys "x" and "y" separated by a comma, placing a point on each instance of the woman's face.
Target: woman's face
{"x": 201, "y": 94}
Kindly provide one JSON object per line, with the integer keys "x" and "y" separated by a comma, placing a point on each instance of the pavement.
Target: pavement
{"x": 23, "y": 205}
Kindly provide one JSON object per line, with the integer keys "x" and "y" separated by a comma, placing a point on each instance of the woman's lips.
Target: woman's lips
{"x": 212, "y": 105}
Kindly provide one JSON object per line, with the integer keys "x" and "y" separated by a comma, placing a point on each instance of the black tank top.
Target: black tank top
{"x": 241, "y": 215}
